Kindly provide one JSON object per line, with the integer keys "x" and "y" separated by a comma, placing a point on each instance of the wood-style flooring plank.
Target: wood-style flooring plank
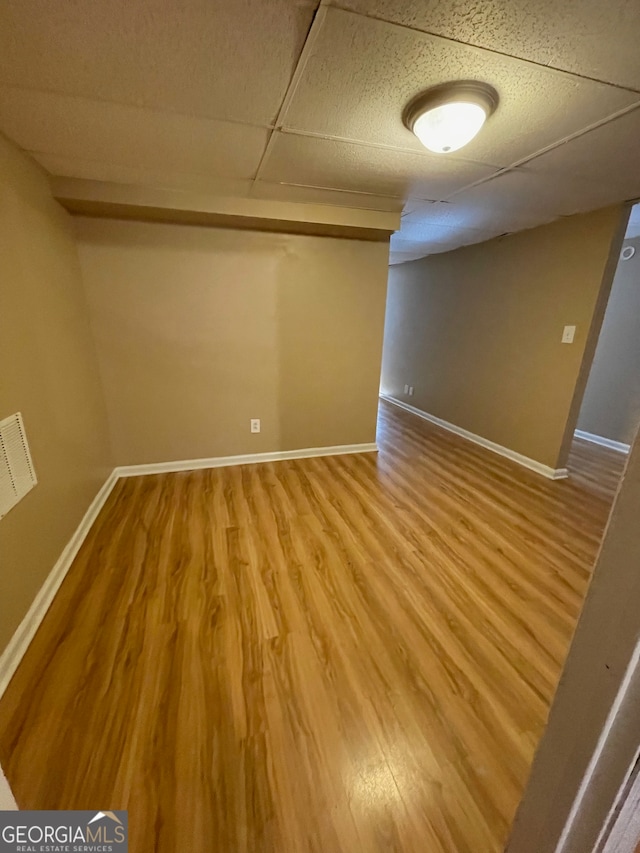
{"x": 334, "y": 655}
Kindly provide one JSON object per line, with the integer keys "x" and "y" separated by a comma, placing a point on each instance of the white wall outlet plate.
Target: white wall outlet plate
{"x": 255, "y": 424}
{"x": 568, "y": 334}
{"x": 406, "y": 389}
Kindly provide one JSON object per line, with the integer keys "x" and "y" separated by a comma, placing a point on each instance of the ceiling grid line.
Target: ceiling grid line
{"x": 378, "y": 145}
{"x": 312, "y": 36}
{"x": 551, "y": 147}
{"x": 142, "y": 107}
{"x": 301, "y": 102}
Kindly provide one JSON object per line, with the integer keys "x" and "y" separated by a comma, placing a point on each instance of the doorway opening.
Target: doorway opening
{"x": 610, "y": 410}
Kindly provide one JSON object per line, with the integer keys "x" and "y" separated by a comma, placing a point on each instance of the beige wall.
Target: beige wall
{"x": 477, "y": 331}
{"x": 200, "y": 329}
{"x": 611, "y": 404}
{"x": 49, "y": 373}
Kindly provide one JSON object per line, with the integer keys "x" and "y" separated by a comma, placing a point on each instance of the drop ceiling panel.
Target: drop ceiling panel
{"x": 112, "y": 134}
{"x": 230, "y": 60}
{"x": 421, "y": 230}
{"x": 523, "y": 199}
{"x": 424, "y": 238}
{"x": 609, "y": 155}
{"x": 413, "y": 204}
{"x": 576, "y": 35}
{"x": 399, "y": 243}
{"x": 452, "y": 214}
{"x": 318, "y": 162}
{"x": 362, "y": 72}
{"x": 514, "y": 201}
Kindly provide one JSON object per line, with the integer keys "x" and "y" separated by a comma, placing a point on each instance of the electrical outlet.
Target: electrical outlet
{"x": 411, "y": 390}
{"x": 255, "y": 424}
{"x": 406, "y": 389}
{"x": 568, "y": 334}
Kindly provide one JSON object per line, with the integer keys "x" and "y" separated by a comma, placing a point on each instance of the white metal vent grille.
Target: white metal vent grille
{"x": 17, "y": 475}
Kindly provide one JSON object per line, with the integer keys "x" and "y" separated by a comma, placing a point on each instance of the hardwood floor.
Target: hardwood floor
{"x": 340, "y": 655}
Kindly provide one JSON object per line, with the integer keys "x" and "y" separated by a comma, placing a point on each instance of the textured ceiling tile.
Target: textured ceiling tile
{"x": 417, "y": 229}
{"x": 362, "y": 73}
{"x": 111, "y": 134}
{"x": 513, "y": 201}
{"x": 523, "y": 199}
{"x": 608, "y": 155}
{"x": 230, "y": 59}
{"x": 413, "y": 204}
{"x": 445, "y": 213}
{"x": 317, "y": 162}
{"x": 576, "y": 35}
{"x": 400, "y": 243}
{"x": 428, "y": 237}
{"x": 451, "y": 215}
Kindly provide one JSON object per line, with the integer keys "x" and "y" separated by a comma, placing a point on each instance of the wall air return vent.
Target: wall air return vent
{"x": 17, "y": 476}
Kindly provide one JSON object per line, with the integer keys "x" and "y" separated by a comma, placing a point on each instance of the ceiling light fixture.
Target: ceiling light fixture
{"x": 447, "y": 117}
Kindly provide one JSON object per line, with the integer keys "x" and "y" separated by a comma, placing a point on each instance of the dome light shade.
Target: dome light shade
{"x": 450, "y": 126}
{"x": 447, "y": 117}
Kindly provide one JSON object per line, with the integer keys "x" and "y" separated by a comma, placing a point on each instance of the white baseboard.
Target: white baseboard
{"x": 525, "y": 461}
{"x": 14, "y": 652}
{"x": 620, "y": 446}
{"x": 248, "y": 459}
